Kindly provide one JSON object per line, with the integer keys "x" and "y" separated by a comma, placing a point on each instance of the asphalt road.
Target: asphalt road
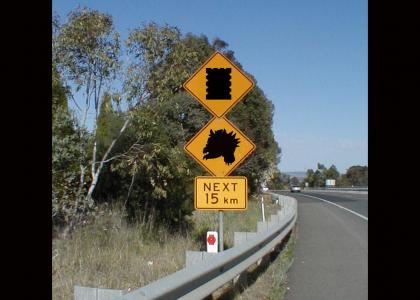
{"x": 332, "y": 248}
{"x": 356, "y": 202}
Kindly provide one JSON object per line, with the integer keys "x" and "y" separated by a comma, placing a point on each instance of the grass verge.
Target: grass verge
{"x": 267, "y": 281}
{"x": 232, "y": 221}
{"x": 109, "y": 253}
{"x": 112, "y": 254}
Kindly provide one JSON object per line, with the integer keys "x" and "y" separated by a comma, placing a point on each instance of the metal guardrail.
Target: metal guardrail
{"x": 201, "y": 279}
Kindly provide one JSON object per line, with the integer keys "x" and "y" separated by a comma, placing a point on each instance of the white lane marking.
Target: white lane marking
{"x": 360, "y": 196}
{"x": 342, "y": 207}
{"x": 340, "y": 192}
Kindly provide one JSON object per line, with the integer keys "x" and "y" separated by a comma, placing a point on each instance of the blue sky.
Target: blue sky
{"x": 309, "y": 57}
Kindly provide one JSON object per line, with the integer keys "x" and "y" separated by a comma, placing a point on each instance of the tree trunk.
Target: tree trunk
{"x": 94, "y": 159}
{"x": 95, "y": 175}
{"x": 129, "y": 192}
{"x": 82, "y": 182}
{"x": 124, "y": 209}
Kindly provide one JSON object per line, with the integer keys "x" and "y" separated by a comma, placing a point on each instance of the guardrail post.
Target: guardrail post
{"x": 262, "y": 226}
{"x": 241, "y": 279}
{"x": 194, "y": 257}
{"x": 283, "y": 206}
{"x": 221, "y": 230}
{"x": 263, "y": 261}
{"x": 85, "y": 293}
{"x": 242, "y": 237}
{"x": 88, "y": 293}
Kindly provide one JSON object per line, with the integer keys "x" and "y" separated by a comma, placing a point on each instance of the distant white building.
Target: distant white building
{"x": 330, "y": 183}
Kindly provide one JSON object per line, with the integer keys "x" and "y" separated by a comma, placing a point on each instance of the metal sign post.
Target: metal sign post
{"x": 220, "y": 230}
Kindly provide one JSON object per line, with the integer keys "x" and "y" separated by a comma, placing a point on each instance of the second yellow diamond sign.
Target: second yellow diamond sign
{"x": 219, "y": 147}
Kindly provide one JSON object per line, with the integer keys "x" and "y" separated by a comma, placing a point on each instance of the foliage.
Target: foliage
{"x": 317, "y": 178}
{"x": 278, "y": 181}
{"x": 59, "y": 91}
{"x": 167, "y": 60}
{"x": 148, "y": 47}
{"x": 55, "y": 31}
{"x": 331, "y": 173}
{"x": 320, "y": 166}
{"x": 357, "y": 175}
{"x": 147, "y": 168}
{"x": 68, "y": 141}
{"x": 67, "y": 156}
{"x": 161, "y": 61}
{"x": 294, "y": 181}
{"x": 108, "y": 125}
{"x": 88, "y": 48}
{"x": 158, "y": 170}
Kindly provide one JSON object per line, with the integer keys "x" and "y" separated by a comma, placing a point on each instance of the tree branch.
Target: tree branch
{"x": 101, "y": 164}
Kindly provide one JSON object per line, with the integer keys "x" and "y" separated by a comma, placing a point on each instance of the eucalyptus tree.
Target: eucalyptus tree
{"x": 68, "y": 144}
{"x": 148, "y": 47}
{"x": 88, "y": 49}
{"x": 357, "y": 175}
{"x": 294, "y": 181}
{"x": 331, "y": 173}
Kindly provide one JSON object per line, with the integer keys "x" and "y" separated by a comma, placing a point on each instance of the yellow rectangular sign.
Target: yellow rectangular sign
{"x": 221, "y": 193}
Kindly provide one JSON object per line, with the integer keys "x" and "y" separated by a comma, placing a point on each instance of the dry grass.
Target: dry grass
{"x": 272, "y": 283}
{"x": 267, "y": 281}
{"x": 233, "y": 220}
{"x": 113, "y": 254}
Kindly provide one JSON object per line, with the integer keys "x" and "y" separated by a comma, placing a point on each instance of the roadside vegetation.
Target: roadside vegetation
{"x": 111, "y": 253}
{"x": 121, "y": 119}
{"x": 354, "y": 176}
{"x": 122, "y": 185}
{"x": 267, "y": 281}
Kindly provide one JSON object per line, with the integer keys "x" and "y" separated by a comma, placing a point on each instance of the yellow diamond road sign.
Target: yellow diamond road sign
{"x": 218, "y": 84}
{"x": 220, "y": 193}
{"x": 219, "y": 147}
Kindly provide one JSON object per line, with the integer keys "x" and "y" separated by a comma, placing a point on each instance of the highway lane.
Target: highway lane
{"x": 354, "y": 201}
{"x": 331, "y": 252}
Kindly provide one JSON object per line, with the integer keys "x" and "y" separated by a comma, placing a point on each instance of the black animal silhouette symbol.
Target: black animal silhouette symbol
{"x": 218, "y": 83}
{"x": 221, "y": 143}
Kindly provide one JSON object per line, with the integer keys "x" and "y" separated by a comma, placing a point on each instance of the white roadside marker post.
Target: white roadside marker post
{"x": 262, "y": 208}
{"x": 212, "y": 241}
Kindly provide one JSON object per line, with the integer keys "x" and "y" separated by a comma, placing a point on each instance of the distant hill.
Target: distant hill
{"x": 299, "y": 175}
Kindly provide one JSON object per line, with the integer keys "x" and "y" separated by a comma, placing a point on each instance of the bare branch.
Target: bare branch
{"x": 129, "y": 191}
{"x": 104, "y": 158}
{"x": 75, "y": 103}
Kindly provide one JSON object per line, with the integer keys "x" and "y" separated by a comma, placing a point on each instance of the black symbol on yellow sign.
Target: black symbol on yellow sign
{"x": 218, "y": 83}
{"x": 221, "y": 143}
